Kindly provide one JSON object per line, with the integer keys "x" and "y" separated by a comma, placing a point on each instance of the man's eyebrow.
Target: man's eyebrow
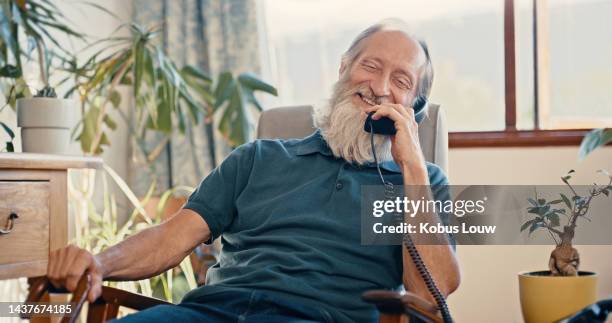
{"x": 375, "y": 59}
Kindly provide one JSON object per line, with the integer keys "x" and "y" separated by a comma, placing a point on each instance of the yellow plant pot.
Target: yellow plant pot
{"x": 546, "y": 298}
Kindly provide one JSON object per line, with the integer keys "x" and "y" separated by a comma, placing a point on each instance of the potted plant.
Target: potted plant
{"x": 562, "y": 290}
{"x": 45, "y": 119}
{"x": 45, "y": 122}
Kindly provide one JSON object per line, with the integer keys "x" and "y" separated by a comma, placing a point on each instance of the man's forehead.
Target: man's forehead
{"x": 394, "y": 47}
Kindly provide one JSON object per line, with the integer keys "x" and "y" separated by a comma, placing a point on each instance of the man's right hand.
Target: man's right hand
{"x": 67, "y": 265}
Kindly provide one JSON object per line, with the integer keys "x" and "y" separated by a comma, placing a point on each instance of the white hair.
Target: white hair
{"x": 341, "y": 124}
{"x": 395, "y": 24}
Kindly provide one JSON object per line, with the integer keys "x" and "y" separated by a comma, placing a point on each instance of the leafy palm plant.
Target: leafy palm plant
{"x": 159, "y": 89}
{"x": 165, "y": 97}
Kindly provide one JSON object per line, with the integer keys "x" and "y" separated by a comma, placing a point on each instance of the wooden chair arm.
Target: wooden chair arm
{"x": 389, "y": 302}
{"x": 104, "y": 308}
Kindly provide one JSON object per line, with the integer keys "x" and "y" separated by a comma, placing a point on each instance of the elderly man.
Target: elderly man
{"x": 288, "y": 212}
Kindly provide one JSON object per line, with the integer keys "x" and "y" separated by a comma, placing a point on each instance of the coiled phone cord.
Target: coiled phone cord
{"x": 412, "y": 250}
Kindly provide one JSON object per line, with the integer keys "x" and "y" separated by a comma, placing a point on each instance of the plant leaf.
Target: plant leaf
{"x": 532, "y": 201}
{"x": 191, "y": 71}
{"x": 534, "y": 226}
{"x": 8, "y": 130}
{"x": 592, "y": 140}
{"x": 110, "y": 122}
{"x": 127, "y": 191}
{"x": 566, "y": 200}
{"x": 527, "y": 224}
{"x": 553, "y": 218}
{"x": 251, "y": 82}
{"x": 534, "y": 210}
{"x": 224, "y": 88}
{"x": 139, "y": 61}
{"x": 10, "y": 71}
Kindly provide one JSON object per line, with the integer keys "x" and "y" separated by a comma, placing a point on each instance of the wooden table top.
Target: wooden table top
{"x": 48, "y": 161}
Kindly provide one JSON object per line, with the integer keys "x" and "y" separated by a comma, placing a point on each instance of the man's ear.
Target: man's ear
{"x": 342, "y": 67}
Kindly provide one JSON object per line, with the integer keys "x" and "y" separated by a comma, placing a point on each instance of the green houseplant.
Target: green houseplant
{"x": 564, "y": 259}
{"x": 165, "y": 97}
{"x": 563, "y": 289}
{"x": 44, "y": 118}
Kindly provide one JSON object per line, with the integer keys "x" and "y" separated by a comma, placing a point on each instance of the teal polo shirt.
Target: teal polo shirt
{"x": 288, "y": 215}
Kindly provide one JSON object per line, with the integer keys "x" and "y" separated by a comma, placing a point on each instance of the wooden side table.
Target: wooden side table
{"x": 34, "y": 209}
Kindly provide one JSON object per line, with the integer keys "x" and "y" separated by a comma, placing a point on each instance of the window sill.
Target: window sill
{"x": 523, "y": 138}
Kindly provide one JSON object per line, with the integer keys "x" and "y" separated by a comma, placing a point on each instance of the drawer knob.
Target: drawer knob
{"x": 10, "y": 223}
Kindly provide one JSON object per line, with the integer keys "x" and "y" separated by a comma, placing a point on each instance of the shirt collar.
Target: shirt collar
{"x": 315, "y": 143}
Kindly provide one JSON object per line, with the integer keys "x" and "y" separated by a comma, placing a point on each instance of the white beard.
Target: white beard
{"x": 341, "y": 123}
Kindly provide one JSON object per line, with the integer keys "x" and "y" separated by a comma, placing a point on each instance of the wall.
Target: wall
{"x": 489, "y": 287}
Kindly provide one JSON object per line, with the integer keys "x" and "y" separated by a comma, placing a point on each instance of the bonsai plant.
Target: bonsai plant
{"x": 564, "y": 259}
{"x": 562, "y": 290}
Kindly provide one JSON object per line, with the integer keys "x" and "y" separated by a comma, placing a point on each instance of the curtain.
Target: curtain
{"x": 216, "y": 36}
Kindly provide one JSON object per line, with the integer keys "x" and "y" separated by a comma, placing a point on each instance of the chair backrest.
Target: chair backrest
{"x": 297, "y": 122}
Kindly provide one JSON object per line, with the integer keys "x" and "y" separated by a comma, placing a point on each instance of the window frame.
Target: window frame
{"x": 510, "y": 136}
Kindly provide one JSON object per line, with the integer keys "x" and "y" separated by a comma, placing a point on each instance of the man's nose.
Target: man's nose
{"x": 380, "y": 87}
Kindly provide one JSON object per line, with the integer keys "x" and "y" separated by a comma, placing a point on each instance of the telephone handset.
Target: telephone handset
{"x": 385, "y": 126}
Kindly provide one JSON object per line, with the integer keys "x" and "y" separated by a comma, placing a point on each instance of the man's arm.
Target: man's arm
{"x": 145, "y": 254}
{"x": 439, "y": 258}
{"x": 435, "y": 250}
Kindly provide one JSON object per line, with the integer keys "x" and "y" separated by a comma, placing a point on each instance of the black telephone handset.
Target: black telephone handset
{"x": 385, "y": 126}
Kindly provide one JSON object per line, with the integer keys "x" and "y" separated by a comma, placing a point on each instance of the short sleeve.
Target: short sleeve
{"x": 215, "y": 197}
{"x": 441, "y": 192}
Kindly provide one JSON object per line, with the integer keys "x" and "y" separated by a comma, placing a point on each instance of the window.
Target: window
{"x": 305, "y": 40}
{"x": 580, "y": 68}
{"x": 507, "y": 74}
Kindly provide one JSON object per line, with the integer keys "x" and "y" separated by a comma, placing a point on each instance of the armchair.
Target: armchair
{"x": 287, "y": 122}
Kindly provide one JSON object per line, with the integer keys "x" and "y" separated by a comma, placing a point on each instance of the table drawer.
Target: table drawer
{"x": 27, "y": 243}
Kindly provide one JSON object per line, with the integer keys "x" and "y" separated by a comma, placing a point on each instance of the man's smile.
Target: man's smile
{"x": 365, "y": 99}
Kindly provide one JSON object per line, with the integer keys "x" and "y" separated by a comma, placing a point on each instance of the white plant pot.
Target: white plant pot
{"x": 45, "y": 124}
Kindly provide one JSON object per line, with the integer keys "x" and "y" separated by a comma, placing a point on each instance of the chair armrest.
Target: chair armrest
{"x": 40, "y": 287}
{"x": 390, "y": 302}
{"x": 130, "y": 300}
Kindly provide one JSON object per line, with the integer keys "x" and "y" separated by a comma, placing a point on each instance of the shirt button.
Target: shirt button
{"x": 339, "y": 186}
